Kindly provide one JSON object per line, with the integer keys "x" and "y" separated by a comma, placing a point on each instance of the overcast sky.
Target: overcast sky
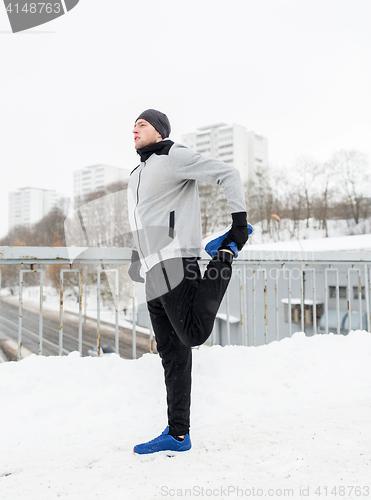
{"x": 295, "y": 71}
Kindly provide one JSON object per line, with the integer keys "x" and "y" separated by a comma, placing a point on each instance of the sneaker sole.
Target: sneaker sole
{"x": 214, "y": 236}
{"x": 167, "y": 453}
{"x": 175, "y": 453}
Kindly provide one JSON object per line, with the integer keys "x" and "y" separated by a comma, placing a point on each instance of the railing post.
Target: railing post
{"x": 117, "y": 346}
{"x": 116, "y": 302}
{"x": 20, "y": 310}
{"x": 350, "y": 271}
{"x": 246, "y": 332}
{"x": 265, "y": 306}
{"x": 302, "y": 305}
{"x": 242, "y": 316}
{"x": 360, "y": 300}
{"x": 367, "y": 297}
{"x": 41, "y": 312}
{"x": 98, "y": 313}
{"x": 338, "y": 301}
{"x": 134, "y": 322}
{"x": 314, "y": 309}
{"x": 277, "y": 306}
{"x": 61, "y": 315}
{"x": 289, "y": 304}
{"x": 227, "y": 317}
{"x": 265, "y": 291}
{"x": 254, "y": 304}
{"x": 80, "y": 311}
{"x": 61, "y": 309}
{"x": 20, "y": 313}
{"x": 348, "y": 302}
{"x": 151, "y": 340}
{"x": 327, "y": 292}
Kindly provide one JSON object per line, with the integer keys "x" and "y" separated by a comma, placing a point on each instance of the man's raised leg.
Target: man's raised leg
{"x": 192, "y": 305}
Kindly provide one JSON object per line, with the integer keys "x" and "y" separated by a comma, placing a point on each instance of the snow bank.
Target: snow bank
{"x": 288, "y": 230}
{"x": 356, "y": 242}
{"x": 293, "y": 414}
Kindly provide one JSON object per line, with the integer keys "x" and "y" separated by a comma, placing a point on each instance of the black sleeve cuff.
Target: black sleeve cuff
{"x": 134, "y": 256}
{"x": 239, "y": 219}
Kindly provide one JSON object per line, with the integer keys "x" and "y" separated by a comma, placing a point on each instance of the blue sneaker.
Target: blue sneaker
{"x": 212, "y": 243}
{"x": 165, "y": 443}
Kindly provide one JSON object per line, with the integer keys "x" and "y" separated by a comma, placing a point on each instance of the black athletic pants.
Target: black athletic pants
{"x": 183, "y": 317}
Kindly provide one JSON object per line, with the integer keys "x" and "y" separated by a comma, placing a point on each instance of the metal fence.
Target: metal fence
{"x": 271, "y": 295}
{"x": 275, "y": 295}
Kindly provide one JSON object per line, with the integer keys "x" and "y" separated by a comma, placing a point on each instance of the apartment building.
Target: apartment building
{"x": 95, "y": 177}
{"x": 28, "y": 205}
{"x": 245, "y": 150}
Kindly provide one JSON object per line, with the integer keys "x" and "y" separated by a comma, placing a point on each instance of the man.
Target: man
{"x": 165, "y": 219}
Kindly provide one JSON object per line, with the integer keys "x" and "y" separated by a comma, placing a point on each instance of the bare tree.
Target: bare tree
{"x": 265, "y": 197}
{"x": 295, "y": 208}
{"x": 351, "y": 167}
{"x": 215, "y": 213}
{"x": 326, "y": 190}
{"x": 100, "y": 218}
{"x": 257, "y": 198}
{"x": 18, "y": 236}
{"x": 305, "y": 171}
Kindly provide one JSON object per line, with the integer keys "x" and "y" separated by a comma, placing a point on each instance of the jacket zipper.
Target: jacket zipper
{"x": 136, "y": 207}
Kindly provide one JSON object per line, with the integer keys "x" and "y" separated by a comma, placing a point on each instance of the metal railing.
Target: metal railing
{"x": 306, "y": 276}
{"x": 270, "y": 292}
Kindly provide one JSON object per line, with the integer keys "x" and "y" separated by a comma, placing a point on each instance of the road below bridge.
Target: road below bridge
{"x": 9, "y": 315}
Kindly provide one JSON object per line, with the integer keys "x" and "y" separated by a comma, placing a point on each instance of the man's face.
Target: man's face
{"x": 145, "y": 134}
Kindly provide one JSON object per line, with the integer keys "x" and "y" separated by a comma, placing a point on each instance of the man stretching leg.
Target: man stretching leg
{"x": 165, "y": 219}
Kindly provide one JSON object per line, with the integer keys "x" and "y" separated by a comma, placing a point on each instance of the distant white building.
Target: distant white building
{"x": 95, "y": 177}
{"x": 233, "y": 144}
{"x": 29, "y": 205}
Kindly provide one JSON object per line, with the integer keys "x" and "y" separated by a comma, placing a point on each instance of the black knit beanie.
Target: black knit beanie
{"x": 158, "y": 120}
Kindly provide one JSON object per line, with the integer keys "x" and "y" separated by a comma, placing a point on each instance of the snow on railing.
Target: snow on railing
{"x": 270, "y": 292}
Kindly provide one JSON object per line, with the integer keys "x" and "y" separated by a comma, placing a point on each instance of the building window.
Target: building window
{"x": 342, "y": 292}
{"x": 355, "y": 293}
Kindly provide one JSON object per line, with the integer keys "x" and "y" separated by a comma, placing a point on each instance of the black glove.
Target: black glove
{"x": 134, "y": 269}
{"x": 238, "y": 231}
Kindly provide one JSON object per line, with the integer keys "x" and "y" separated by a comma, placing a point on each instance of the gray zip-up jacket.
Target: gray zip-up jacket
{"x": 164, "y": 206}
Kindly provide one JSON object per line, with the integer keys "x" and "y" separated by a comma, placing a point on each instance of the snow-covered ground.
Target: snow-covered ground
{"x": 293, "y": 415}
{"x": 284, "y": 230}
{"x": 335, "y": 243}
{"x": 310, "y": 239}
